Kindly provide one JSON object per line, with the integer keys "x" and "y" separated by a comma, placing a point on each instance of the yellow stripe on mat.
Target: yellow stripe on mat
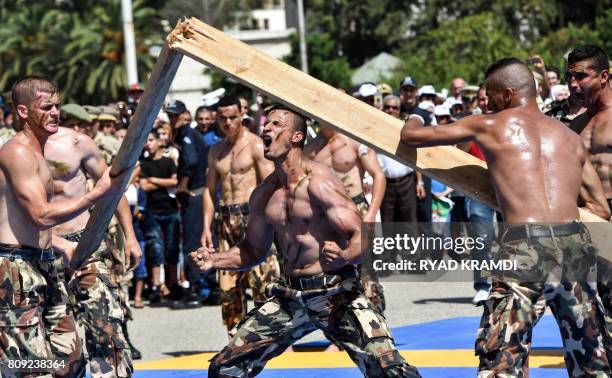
{"x": 421, "y": 358}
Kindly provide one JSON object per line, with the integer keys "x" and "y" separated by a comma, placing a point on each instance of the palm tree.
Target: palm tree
{"x": 79, "y": 45}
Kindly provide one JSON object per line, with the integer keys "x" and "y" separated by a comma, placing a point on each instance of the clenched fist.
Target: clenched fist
{"x": 201, "y": 259}
{"x": 332, "y": 256}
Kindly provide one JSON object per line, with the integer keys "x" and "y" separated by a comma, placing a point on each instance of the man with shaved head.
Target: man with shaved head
{"x": 304, "y": 205}
{"x": 522, "y": 145}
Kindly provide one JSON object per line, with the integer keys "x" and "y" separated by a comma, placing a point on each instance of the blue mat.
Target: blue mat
{"x": 457, "y": 333}
{"x": 343, "y": 372}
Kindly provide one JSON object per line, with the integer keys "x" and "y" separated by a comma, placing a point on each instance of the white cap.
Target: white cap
{"x": 453, "y": 101}
{"x": 441, "y": 110}
{"x": 367, "y": 90}
{"x": 426, "y": 105}
{"x": 427, "y": 90}
{"x": 211, "y": 98}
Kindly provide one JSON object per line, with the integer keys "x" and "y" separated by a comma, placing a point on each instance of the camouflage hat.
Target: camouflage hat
{"x": 74, "y": 112}
{"x": 94, "y": 111}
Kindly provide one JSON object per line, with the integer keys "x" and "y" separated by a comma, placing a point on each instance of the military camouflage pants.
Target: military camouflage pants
{"x": 36, "y": 318}
{"x": 341, "y": 311}
{"x": 373, "y": 288}
{"x": 513, "y": 308}
{"x": 97, "y": 303}
{"x": 231, "y": 228}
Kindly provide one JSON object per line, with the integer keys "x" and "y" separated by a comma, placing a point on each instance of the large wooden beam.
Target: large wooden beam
{"x": 125, "y": 161}
{"x": 350, "y": 116}
{"x": 324, "y": 103}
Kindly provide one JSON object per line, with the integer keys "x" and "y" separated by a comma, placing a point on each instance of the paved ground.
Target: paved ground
{"x": 163, "y": 333}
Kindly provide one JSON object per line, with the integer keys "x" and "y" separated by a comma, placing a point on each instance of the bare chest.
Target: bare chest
{"x": 236, "y": 161}
{"x": 64, "y": 161}
{"x": 339, "y": 155}
{"x": 599, "y": 136}
{"x": 290, "y": 209}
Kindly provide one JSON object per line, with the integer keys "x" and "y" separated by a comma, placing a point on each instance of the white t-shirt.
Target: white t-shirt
{"x": 392, "y": 168}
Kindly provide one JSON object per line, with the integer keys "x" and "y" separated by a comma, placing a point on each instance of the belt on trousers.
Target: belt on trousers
{"x": 526, "y": 231}
{"x": 322, "y": 280}
{"x": 242, "y": 208}
{"x": 395, "y": 180}
{"x": 197, "y": 191}
{"x": 359, "y": 198}
{"x": 13, "y": 252}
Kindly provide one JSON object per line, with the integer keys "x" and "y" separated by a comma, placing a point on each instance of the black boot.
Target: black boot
{"x": 136, "y": 355}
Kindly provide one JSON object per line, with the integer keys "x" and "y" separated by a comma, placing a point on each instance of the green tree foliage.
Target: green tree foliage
{"x": 77, "y": 44}
{"x": 463, "y": 47}
{"x": 217, "y": 13}
{"x": 604, "y": 31}
{"x": 361, "y": 28}
{"x": 324, "y": 59}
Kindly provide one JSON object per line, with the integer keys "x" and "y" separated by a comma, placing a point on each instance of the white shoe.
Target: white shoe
{"x": 481, "y": 296}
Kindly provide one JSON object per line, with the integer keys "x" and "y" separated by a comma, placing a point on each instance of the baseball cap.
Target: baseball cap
{"x": 441, "y": 110}
{"x": 136, "y": 87}
{"x": 211, "y": 98}
{"x": 176, "y": 107}
{"x": 469, "y": 90}
{"x": 427, "y": 90}
{"x": 408, "y": 82}
{"x": 367, "y": 90}
{"x": 426, "y": 105}
{"x": 74, "y": 112}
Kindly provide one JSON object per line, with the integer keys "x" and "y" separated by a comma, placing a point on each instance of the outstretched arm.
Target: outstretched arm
{"x": 251, "y": 251}
{"x": 415, "y": 134}
{"x": 327, "y": 192}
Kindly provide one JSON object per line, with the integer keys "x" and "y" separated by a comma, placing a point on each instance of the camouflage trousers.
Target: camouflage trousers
{"x": 96, "y": 298}
{"x": 36, "y": 318}
{"x": 373, "y": 288}
{"x": 341, "y": 311}
{"x": 231, "y": 228}
{"x": 514, "y": 307}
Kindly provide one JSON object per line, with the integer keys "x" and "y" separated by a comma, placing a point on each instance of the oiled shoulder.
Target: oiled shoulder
{"x": 320, "y": 177}
{"x": 17, "y": 154}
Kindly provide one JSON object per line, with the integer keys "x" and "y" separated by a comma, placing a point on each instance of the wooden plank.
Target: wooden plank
{"x": 326, "y": 104}
{"x": 125, "y": 161}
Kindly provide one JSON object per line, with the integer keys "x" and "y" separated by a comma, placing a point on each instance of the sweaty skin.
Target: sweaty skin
{"x": 26, "y": 184}
{"x": 594, "y": 125}
{"x": 537, "y": 166}
{"x": 303, "y": 204}
{"x": 342, "y": 155}
{"x": 237, "y": 164}
{"x": 75, "y": 155}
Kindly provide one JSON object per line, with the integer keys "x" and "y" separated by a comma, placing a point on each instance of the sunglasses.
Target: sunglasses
{"x": 390, "y": 107}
